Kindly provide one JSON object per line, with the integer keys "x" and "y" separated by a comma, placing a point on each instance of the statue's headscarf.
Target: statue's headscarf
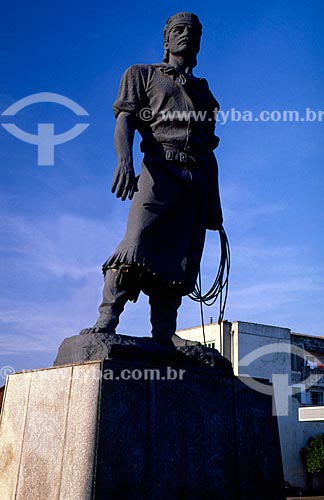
{"x": 180, "y": 18}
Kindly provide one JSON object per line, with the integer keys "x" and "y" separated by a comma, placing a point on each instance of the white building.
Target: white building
{"x": 294, "y": 363}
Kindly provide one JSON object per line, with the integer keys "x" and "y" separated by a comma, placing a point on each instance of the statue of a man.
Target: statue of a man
{"x": 176, "y": 197}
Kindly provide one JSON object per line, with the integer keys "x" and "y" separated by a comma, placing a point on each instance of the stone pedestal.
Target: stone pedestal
{"x": 137, "y": 431}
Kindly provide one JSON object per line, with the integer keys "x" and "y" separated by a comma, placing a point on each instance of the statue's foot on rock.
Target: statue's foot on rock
{"x": 98, "y": 344}
{"x": 95, "y": 329}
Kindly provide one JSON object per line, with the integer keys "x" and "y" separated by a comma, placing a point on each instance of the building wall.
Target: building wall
{"x": 217, "y": 336}
{"x": 212, "y": 335}
{"x": 249, "y": 337}
{"x": 294, "y": 435}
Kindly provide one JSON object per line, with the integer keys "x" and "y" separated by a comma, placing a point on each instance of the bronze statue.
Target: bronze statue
{"x": 176, "y": 197}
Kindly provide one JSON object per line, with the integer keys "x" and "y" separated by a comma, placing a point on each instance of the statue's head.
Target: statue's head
{"x": 182, "y": 34}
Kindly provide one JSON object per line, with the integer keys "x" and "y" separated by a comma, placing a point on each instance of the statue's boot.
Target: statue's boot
{"x": 164, "y": 311}
{"x": 114, "y": 298}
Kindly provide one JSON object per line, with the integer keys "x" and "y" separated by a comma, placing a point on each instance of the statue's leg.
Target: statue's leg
{"x": 115, "y": 294}
{"x": 114, "y": 298}
{"x": 164, "y": 310}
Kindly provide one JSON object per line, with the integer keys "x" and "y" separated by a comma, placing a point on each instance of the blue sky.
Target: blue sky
{"x": 59, "y": 223}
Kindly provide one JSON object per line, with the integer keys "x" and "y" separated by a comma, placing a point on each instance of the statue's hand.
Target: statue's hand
{"x": 134, "y": 189}
{"x": 124, "y": 182}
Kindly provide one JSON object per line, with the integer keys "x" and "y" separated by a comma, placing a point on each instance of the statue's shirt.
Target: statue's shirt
{"x": 181, "y": 107}
{"x": 175, "y": 202}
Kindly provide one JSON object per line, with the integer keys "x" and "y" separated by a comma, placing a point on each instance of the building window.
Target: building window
{"x": 297, "y": 363}
{"x": 316, "y": 398}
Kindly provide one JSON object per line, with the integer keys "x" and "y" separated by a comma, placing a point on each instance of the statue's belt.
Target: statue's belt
{"x": 173, "y": 155}
{"x": 179, "y": 157}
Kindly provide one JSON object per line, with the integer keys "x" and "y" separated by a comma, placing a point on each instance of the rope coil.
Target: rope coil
{"x": 220, "y": 286}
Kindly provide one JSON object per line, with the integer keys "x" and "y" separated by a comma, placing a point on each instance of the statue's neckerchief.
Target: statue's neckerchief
{"x": 181, "y": 76}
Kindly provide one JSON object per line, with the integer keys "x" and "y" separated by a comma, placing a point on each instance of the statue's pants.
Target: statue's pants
{"x": 125, "y": 284}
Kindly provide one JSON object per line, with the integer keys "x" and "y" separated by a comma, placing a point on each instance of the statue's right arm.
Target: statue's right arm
{"x": 124, "y": 182}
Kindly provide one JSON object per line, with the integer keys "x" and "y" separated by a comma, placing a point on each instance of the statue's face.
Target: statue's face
{"x": 184, "y": 39}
